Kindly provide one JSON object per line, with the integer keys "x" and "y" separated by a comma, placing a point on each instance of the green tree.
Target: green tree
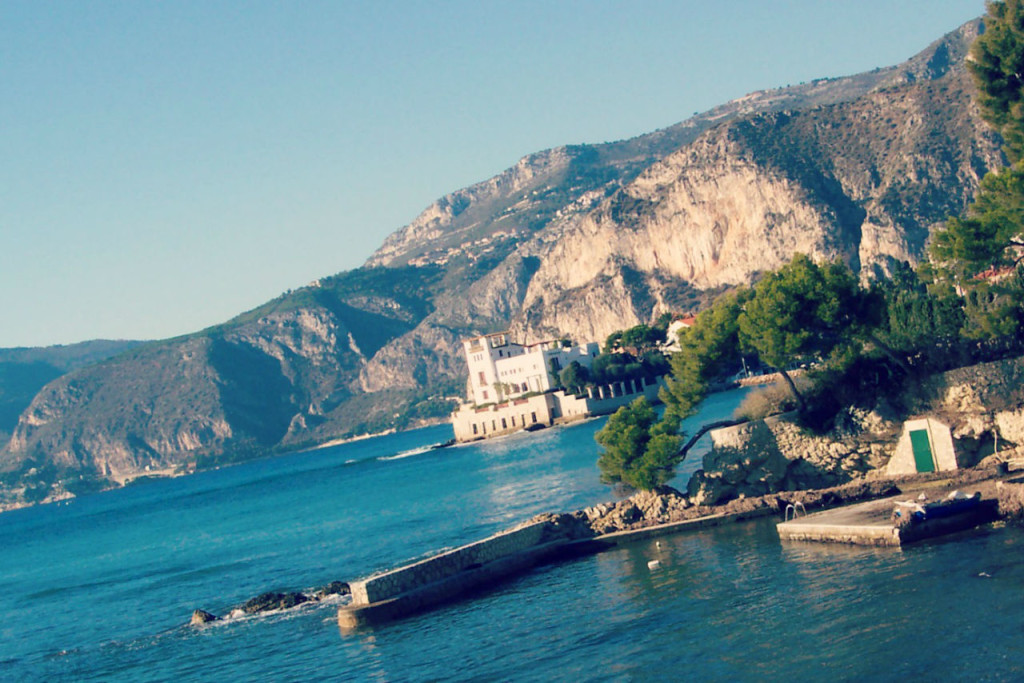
{"x": 995, "y": 309}
{"x": 654, "y": 364}
{"x": 782, "y": 321}
{"x": 803, "y": 311}
{"x": 574, "y": 376}
{"x": 979, "y": 255}
{"x": 612, "y": 342}
{"x": 917, "y": 318}
{"x": 639, "y": 450}
{"x": 852, "y": 316}
{"x": 997, "y": 65}
{"x": 643, "y": 337}
{"x": 798, "y": 312}
{"x": 663, "y": 321}
{"x": 708, "y": 349}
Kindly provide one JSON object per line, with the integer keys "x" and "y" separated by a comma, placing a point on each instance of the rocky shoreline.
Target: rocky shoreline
{"x": 666, "y": 505}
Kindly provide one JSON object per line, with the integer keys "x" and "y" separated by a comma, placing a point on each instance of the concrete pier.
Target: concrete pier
{"x": 871, "y": 524}
{"x": 461, "y": 572}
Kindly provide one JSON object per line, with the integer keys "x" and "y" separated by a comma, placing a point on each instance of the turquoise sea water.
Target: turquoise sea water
{"x": 99, "y": 589}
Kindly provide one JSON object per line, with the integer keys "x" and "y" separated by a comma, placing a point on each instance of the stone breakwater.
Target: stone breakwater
{"x": 273, "y": 601}
{"x": 448, "y": 564}
{"x": 666, "y": 505}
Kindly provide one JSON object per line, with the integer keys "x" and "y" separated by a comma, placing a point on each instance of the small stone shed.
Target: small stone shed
{"x": 926, "y": 445}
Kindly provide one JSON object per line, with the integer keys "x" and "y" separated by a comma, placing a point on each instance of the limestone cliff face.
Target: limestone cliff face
{"x": 451, "y": 225}
{"x": 864, "y": 181}
{"x": 577, "y": 241}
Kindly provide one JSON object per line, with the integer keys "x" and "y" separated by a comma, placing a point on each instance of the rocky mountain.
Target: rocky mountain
{"x": 576, "y": 241}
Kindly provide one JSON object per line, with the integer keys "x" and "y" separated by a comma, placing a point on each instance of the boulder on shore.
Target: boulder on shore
{"x": 661, "y": 505}
{"x": 333, "y": 588}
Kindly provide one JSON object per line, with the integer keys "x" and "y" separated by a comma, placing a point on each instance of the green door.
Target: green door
{"x": 922, "y": 450}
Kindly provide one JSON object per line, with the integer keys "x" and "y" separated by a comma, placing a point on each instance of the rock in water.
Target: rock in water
{"x": 201, "y": 616}
{"x": 272, "y": 600}
{"x": 333, "y": 588}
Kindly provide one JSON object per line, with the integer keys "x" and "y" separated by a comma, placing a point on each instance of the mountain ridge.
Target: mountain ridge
{"x": 574, "y": 241}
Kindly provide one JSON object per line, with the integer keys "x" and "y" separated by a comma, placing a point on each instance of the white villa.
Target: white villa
{"x": 500, "y": 369}
{"x": 511, "y": 387}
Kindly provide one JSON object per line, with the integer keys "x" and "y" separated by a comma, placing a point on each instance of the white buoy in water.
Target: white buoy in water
{"x": 653, "y": 564}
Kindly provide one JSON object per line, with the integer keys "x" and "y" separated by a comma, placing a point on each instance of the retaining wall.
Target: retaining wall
{"x": 609, "y": 399}
{"x": 470, "y": 423}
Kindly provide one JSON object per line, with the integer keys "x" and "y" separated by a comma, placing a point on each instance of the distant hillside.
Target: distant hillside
{"x": 24, "y": 371}
{"x": 576, "y": 241}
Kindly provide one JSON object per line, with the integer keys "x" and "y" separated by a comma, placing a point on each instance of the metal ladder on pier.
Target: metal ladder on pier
{"x": 794, "y": 508}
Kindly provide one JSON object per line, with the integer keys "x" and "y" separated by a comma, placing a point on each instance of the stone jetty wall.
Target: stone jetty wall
{"x": 983, "y": 388}
{"x": 983, "y": 401}
{"x": 439, "y": 567}
{"x": 983, "y": 405}
{"x": 766, "y": 456}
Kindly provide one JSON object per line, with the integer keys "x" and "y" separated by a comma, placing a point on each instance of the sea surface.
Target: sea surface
{"x": 100, "y": 588}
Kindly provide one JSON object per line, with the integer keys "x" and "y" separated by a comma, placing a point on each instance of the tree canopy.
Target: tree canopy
{"x": 707, "y": 349}
{"x": 997, "y": 64}
{"x": 800, "y": 312}
{"x": 639, "y": 337}
{"x": 639, "y": 449}
{"x": 916, "y": 317}
{"x": 574, "y": 376}
{"x": 804, "y": 311}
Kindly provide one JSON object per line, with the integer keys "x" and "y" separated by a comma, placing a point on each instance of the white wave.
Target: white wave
{"x": 406, "y": 454}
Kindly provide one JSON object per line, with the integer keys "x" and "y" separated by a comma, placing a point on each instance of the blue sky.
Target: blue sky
{"x": 165, "y": 166}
